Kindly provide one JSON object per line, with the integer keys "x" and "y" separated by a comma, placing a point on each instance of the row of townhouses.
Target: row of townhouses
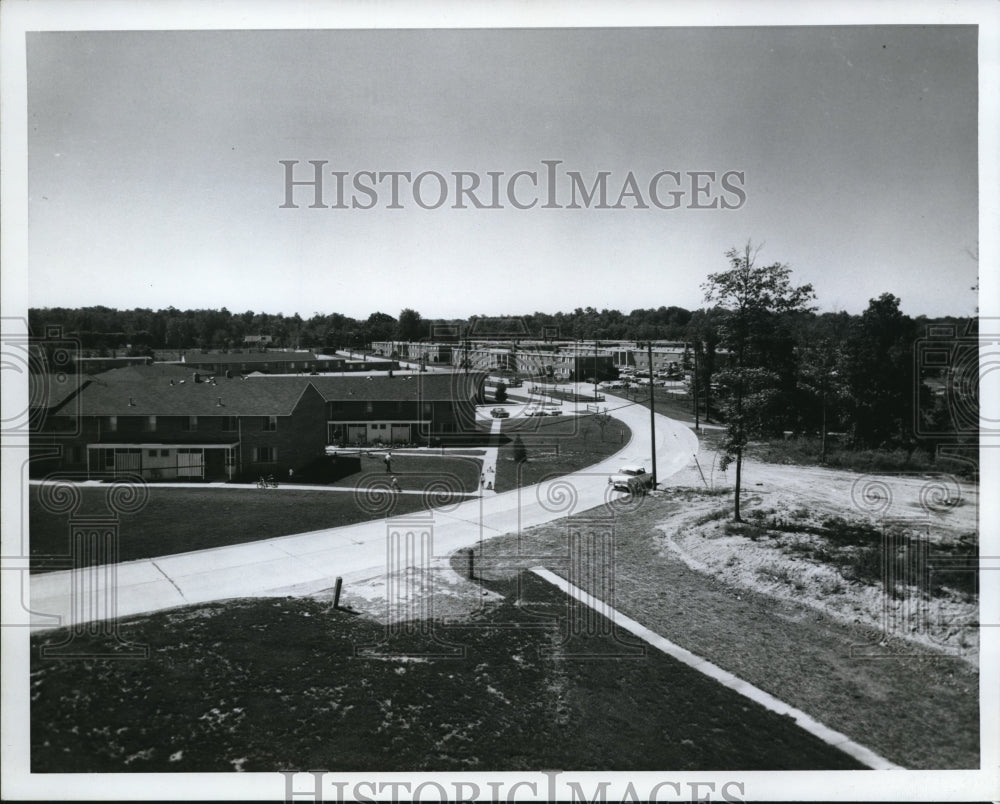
{"x": 567, "y": 361}
{"x": 165, "y": 422}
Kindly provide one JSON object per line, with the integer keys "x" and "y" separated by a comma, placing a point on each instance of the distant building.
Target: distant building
{"x": 264, "y": 362}
{"x": 95, "y": 365}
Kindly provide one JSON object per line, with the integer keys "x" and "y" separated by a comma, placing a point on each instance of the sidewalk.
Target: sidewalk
{"x": 309, "y": 562}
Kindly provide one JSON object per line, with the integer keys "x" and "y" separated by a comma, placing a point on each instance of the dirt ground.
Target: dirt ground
{"x": 897, "y": 673}
{"x": 937, "y": 509}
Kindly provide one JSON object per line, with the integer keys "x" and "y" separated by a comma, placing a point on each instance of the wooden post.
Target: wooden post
{"x": 472, "y": 564}
{"x": 336, "y": 592}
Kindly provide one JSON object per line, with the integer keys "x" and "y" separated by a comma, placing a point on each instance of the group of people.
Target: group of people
{"x": 487, "y": 479}
{"x": 394, "y": 484}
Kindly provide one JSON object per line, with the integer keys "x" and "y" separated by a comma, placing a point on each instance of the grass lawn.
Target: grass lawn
{"x": 262, "y": 685}
{"x": 459, "y": 473}
{"x": 555, "y": 446}
{"x": 919, "y": 710}
{"x": 674, "y": 406}
{"x": 176, "y": 520}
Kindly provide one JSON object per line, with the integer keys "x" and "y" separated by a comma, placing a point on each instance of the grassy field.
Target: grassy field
{"x": 459, "y": 473}
{"x": 806, "y": 451}
{"x": 919, "y": 709}
{"x": 176, "y": 520}
{"x": 672, "y": 405}
{"x": 555, "y": 446}
{"x": 270, "y": 684}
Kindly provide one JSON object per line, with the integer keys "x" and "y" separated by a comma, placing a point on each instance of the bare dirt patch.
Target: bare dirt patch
{"x": 261, "y": 685}
{"x": 896, "y": 554}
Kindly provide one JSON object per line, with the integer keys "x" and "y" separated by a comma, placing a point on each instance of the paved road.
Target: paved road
{"x": 310, "y": 562}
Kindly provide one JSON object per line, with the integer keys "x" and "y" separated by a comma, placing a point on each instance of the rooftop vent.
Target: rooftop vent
{"x": 218, "y": 404}
{"x": 131, "y": 402}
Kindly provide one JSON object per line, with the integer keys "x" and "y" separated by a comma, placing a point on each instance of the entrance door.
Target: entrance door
{"x": 128, "y": 460}
{"x": 190, "y": 463}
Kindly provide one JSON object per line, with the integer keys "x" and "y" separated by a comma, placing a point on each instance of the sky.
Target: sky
{"x": 155, "y": 173}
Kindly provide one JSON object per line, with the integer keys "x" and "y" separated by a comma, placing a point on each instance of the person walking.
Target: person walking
{"x": 388, "y": 463}
{"x": 395, "y": 485}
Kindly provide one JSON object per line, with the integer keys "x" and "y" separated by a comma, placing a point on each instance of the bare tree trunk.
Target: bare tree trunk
{"x": 739, "y": 474}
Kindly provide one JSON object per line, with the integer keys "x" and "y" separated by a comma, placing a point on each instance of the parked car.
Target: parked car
{"x": 537, "y": 413}
{"x": 499, "y": 413}
{"x": 632, "y": 478}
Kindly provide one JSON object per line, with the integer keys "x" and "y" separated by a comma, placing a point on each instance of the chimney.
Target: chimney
{"x": 131, "y": 402}
{"x": 219, "y": 403}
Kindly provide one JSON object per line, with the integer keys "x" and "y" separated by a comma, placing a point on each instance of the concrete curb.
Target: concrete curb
{"x": 724, "y": 677}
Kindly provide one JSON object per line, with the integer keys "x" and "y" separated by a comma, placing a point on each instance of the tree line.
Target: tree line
{"x": 766, "y": 361}
{"x": 103, "y": 329}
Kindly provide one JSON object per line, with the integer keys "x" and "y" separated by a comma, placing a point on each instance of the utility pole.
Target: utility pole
{"x": 695, "y": 383}
{"x": 652, "y": 414}
{"x": 595, "y": 370}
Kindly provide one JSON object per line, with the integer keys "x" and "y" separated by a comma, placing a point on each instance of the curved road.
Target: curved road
{"x": 309, "y": 562}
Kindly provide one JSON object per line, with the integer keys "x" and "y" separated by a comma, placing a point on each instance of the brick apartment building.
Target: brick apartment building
{"x": 165, "y": 422}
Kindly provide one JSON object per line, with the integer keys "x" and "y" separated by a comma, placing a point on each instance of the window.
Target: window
{"x": 265, "y": 455}
{"x": 151, "y": 453}
{"x": 191, "y": 424}
{"x": 151, "y": 424}
{"x": 112, "y": 424}
{"x": 229, "y": 424}
{"x": 164, "y": 453}
{"x": 270, "y": 423}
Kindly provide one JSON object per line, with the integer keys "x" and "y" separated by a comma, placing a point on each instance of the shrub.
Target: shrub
{"x": 520, "y": 451}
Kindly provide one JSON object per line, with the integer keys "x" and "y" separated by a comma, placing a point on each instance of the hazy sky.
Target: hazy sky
{"x": 155, "y": 175}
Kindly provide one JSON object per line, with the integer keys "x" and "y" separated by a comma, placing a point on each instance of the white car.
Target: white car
{"x": 633, "y": 478}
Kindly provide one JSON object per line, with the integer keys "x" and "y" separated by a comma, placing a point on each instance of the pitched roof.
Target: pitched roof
{"x": 433, "y": 387}
{"x": 156, "y": 396}
{"x": 169, "y": 390}
{"x": 52, "y": 390}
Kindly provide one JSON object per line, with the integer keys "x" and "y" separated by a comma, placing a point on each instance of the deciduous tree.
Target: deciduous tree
{"x": 752, "y": 298}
